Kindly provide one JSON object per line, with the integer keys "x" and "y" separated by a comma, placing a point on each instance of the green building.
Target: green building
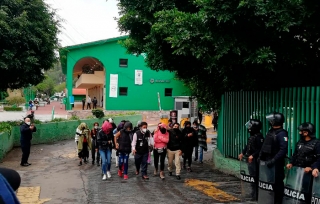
{"x": 118, "y": 80}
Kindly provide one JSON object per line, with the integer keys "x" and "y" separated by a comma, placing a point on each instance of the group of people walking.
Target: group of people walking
{"x": 164, "y": 143}
{"x": 269, "y": 153}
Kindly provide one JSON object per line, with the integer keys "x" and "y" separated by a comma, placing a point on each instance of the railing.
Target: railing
{"x": 298, "y": 105}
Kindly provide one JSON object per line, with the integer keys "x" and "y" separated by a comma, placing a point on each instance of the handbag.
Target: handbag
{"x": 161, "y": 150}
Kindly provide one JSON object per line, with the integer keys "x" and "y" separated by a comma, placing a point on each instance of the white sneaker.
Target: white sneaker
{"x": 104, "y": 177}
{"x": 109, "y": 174}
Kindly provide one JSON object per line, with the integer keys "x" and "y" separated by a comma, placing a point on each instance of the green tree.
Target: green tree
{"x": 46, "y": 86}
{"x": 28, "y": 38}
{"x": 60, "y": 87}
{"x": 219, "y": 46}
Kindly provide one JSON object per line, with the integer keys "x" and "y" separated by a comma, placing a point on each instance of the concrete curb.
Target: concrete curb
{"x": 226, "y": 165}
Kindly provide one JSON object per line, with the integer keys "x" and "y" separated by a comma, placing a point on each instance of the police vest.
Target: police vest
{"x": 251, "y": 146}
{"x": 142, "y": 146}
{"x": 306, "y": 154}
{"x": 124, "y": 142}
{"x": 270, "y": 148}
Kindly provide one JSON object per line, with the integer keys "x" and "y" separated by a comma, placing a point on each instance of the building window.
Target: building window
{"x": 123, "y": 91}
{"x": 168, "y": 92}
{"x": 123, "y": 62}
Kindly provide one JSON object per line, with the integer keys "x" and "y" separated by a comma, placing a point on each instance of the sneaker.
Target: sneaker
{"x": 170, "y": 173}
{"x": 104, "y": 177}
{"x": 120, "y": 173}
{"x": 178, "y": 177}
{"x": 109, "y": 174}
{"x": 201, "y": 162}
{"x": 98, "y": 164}
{"x": 195, "y": 159}
{"x": 125, "y": 177}
{"x": 189, "y": 169}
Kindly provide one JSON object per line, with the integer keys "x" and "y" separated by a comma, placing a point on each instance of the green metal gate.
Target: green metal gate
{"x": 297, "y": 104}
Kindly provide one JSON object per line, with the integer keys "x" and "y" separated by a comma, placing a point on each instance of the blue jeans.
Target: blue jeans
{"x": 197, "y": 150}
{"x": 201, "y": 154}
{"x": 106, "y": 160}
{"x": 123, "y": 159}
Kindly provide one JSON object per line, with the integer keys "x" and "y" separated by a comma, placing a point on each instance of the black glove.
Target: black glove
{"x": 270, "y": 163}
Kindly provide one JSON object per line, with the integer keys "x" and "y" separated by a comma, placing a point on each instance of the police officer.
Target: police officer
{"x": 307, "y": 152}
{"x": 274, "y": 151}
{"x": 252, "y": 150}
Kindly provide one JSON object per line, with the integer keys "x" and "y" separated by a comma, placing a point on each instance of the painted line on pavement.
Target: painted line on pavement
{"x": 30, "y": 195}
{"x": 209, "y": 188}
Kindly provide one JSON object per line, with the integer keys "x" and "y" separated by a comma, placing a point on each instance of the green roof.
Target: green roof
{"x": 64, "y": 50}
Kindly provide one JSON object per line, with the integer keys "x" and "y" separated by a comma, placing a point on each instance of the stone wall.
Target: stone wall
{"x": 146, "y": 115}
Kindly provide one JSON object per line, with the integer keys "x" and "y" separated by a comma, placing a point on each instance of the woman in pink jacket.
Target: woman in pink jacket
{"x": 161, "y": 139}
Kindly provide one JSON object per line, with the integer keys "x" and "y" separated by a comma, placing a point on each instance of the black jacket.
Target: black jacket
{"x": 189, "y": 142}
{"x": 105, "y": 141}
{"x": 175, "y": 140}
{"x": 26, "y": 132}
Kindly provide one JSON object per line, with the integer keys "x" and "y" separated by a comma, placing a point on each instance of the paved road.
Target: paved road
{"x": 54, "y": 170}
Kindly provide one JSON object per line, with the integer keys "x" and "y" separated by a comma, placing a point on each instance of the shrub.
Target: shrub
{"x": 5, "y": 127}
{"x": 58, "y": 120}
{"x": 8, "y": 108}
{"x": 98, "y": 113}
{"x": 15, "y": 100}
{"x": 90, "y": 117}
{"x": 74, "y": 117}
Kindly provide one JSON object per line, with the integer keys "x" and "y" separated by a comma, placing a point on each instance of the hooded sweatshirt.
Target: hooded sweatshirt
{"x": 161, "y": 139}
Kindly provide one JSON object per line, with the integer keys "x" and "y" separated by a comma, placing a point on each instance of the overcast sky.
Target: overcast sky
{"x": 86, "y": 20}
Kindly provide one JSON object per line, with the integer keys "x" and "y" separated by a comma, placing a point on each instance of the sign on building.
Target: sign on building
{"x": 138, "y": 77}
{"x": 113, "y": 93}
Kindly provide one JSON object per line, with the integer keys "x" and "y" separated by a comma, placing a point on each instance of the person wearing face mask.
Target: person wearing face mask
{"x": 201, "y": 144}
{"x": 161, "y": 139}
{"x": 189, "y": 140}
{"x": 105, "y": 141}
{"x": 174, "y": 150}
{"x": 141, "y": 145}
{"x": 83, "y": 142}
{"x": 123, "y": 145}
{"x": 26, "y": 130}
{"x": 94, "y": 133}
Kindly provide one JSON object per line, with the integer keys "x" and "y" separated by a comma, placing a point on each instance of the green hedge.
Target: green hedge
{"x": 50, "y": 132}
{"x": 8, "y": 108}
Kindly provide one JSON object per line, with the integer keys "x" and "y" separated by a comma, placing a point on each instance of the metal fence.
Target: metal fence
{"x": 298, "y": 105}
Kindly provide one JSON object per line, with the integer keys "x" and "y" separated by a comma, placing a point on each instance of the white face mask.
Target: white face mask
{"x": 144, "y": 130}
{"x": 95, "y": 127}
{"x": 28, "y": 123}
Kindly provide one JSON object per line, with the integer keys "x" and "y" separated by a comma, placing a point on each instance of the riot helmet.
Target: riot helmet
{"x": 275, "y": 119}
{"x": 307, "y": 127}
{"x": 254, "y": 125}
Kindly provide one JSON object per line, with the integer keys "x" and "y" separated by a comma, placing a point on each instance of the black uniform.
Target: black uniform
{"x": 274, "y": 151}
{"x": 253, "y": 147}
{"x": 25, "y": 141}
